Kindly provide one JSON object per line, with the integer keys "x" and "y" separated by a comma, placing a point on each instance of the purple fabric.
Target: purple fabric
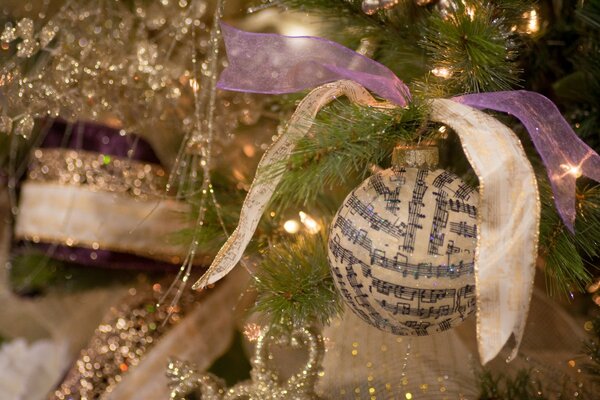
{"x": 274, "y": 64}
{"x": 99, "y": 258}
{"x": 556, "y": 142}
{"x": 98, "y": 138}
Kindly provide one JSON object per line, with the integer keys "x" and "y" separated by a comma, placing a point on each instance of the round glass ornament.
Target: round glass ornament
{"x": 402, "y": 249}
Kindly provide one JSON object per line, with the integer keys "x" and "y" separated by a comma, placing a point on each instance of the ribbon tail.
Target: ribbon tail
{"x": 508, "y": 223}
{"x": 266, "y": 182}
{"x": 565, "y": 155}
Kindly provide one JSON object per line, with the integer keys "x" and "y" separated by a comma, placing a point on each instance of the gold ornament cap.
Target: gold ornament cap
{"x": 416, "y": 156}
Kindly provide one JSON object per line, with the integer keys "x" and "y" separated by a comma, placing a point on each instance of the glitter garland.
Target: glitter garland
{"x": 265, "y": 383}
{"x": 120, "y": 341}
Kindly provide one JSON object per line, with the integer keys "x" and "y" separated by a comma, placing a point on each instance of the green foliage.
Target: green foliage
{"x": 561, "y": 251}
{"x": 233, "y": 366}
{"x": 502, "y": 387}
{"x": 34, "y": 273}
{"x": 472, "y": 40}
{"x": 346, "y": 143}
{"x": 472, "y": 44}
{"x": 294, "y": 285}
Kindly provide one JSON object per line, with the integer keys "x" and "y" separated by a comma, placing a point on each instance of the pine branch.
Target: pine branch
{"x": 472, "y": 45}
{"x": 294, "y": 283}
{"x": 346, "y": 143}
{"x": 502, "y": 387}
{"x": 33, "y": 273}
{"x": 561, "y": 251}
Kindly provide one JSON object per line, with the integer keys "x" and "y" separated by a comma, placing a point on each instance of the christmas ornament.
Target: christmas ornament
{"x": 402, "y": 249}
{"x": 265, "y": 383}
{"x": 509, "y": 212}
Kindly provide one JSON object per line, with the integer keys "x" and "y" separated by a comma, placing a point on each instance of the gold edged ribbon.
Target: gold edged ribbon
{"x": 262, "y": 189}
{"x": 72, "y": 215}
{"x": 508, "y": 223}
{"x": 508, "y": 215}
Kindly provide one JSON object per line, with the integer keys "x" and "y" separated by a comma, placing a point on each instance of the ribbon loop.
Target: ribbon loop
{"x": 274, "y": 64}
{"x": 262, "y": 189}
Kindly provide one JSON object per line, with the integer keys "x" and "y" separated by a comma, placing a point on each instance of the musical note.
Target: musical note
{"x": 398, "y": 177}
{"x": 443, "y": 179}
{"x": 464, "y": 191}
{"x": 375, "y": 221}
{"x": 391, "y": 197}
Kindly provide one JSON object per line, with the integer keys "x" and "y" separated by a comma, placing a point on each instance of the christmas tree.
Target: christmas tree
{"x": 299, "y": 199}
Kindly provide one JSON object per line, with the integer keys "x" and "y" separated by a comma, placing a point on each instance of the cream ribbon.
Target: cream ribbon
{"x": 262, "y": 189}
{"x": 77, "y": 216}
{"x": 508, "y": 223}
{"x": 508, "y": 215}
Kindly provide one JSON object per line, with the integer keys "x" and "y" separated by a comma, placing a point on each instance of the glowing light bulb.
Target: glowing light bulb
{"x": 291, "y": 226}
{"x": 533, "y": 22}
{"x": 194, "y": 85}
{"x": 574, "y": 170}
{"x": 441, "y": 72}
{"x": 309, "y": 222}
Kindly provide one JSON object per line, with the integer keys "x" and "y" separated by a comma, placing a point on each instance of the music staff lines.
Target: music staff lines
{"x": 462, "y": 207}
{"x": 375, "y": 221}
{"x": 391, "y": 197}
{"x": 414, "y": 211}
{"x": 399, "y": 262}
{"x": 463, "y": 229}
{"x": 440, "y": 221}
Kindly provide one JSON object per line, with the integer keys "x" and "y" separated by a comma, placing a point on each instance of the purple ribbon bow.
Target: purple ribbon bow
{"x": 275, "y": 64}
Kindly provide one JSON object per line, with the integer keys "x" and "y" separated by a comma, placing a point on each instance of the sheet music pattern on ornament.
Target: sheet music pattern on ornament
{"x": 402, "y": 250}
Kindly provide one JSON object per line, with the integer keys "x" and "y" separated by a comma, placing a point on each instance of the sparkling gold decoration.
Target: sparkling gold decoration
{"x": 98, "y": 172}
{"x": 416, "y": 156}
{"x": 29, "y": 45}
{"x": 130, "y": 64}
{"x": 120, "y": 341}
{"x": 370, "y": 7}
{"x": 6, "y": 124}
{"x": 24, "y": 126}
{"x": 265, "y": 383}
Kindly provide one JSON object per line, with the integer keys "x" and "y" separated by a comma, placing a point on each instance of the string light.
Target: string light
{"x": 574, "y": 170}
{"x": 291, "y": 226}
{"x": 194, "y": 85}
{"x": 533, "y": 22}
{"x": 441, "y": 72}
{"x": 470, "y": 12}
{"x": 309, "y": 223}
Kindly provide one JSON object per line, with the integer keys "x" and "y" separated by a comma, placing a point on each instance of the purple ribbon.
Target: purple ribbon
{"x": 275, "y": 64}
{"x": 564, "y": 154}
